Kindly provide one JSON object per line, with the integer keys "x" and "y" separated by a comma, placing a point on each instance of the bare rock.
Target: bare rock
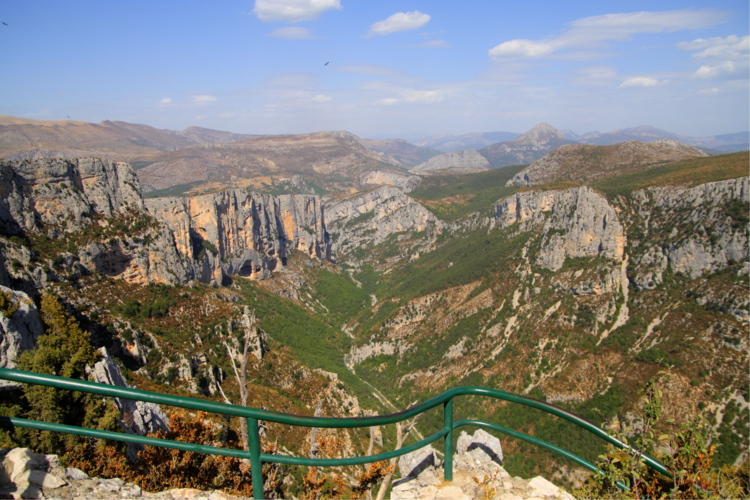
{"x": 20, "y": 326}
{"x": 468, "y": 159}
{"x": 412, "y": 464}
{"x": 138, "y": 417}
{"x": 482, "y": 446}
{"x": 575, "y": 222}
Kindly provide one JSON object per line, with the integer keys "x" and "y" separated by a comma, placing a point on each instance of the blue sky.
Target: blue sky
{"x": 395, "y": 68}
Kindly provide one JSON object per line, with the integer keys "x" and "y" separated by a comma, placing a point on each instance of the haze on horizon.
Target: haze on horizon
{"x": 380, "y": 69}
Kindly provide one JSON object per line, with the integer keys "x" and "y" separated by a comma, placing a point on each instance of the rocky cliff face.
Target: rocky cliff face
{"x": 236, "y": 232}
{"x": 574, "y": 223}
{"x": 468, "y": 160}
{"x": 693, "y": 230}
{"x": 20, "y": 326}
{"x": 94, "y": 212}
{"x": 372, "y": 217}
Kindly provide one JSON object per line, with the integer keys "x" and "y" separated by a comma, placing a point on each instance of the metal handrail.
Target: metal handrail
{"x": 253, "y": 415}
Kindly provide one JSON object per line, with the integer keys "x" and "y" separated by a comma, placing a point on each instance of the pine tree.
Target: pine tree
{"x": 64, "y": 350}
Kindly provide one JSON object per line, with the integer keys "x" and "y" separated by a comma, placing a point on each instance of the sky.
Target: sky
{"x": 380, "y": 68}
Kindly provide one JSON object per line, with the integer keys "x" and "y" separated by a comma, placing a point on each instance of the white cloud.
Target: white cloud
{"x": 387, "y": 102}
{"x": 726, "y": 57}
{"x": 412, "y": 96}
{"x": 204, "y": 99}
{"x": 641, "y": 81}
{"x": 321, "y": 98}
{"x": 165, "y": 101}
{"x": 292, "y": 11}
{"x": 596, "y": 31}
{"x": 292, "y": 33}
{"x": 401, "y": 21}
{"x": 730, "y": 47}
{"x": 725, "y": 69}
{"x": 523, "y": 49}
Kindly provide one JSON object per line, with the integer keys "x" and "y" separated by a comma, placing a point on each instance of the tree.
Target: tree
{"x": 64, "y": 350}
{"x": 249, "y": 341}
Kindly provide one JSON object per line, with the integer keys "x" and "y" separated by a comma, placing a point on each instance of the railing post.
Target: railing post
{"x": 256, "y": 466}
{"x": 448, "y": 423}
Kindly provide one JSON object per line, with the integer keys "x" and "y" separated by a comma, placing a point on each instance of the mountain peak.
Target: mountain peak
{"x": 541, "y": 133}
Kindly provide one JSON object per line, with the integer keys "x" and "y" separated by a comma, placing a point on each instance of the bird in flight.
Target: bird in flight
{"x": 5, "y": 23}
{"x": 326, "y": 64}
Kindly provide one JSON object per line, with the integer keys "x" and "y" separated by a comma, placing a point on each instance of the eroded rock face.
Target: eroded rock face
{"x": 20, "y": 326}
{"x": 468, "y": 159}
{"x": 236, "y": 232}
{"x": 142, "y": 417}
{"x": 576, "y": 222}
{"x": 60, "y": 199}
{"x": 68, "y": 192}
{"x": 477, "y": 473}
{"x": 369, "y": 218}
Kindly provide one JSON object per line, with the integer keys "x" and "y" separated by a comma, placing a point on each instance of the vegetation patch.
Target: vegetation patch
{"x": 688, "y": 172}
{"x": 452, "y": 197}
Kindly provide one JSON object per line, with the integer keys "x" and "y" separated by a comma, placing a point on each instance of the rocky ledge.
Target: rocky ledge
{"x": 24, "y": 474}
{"x": 477, "y": 473}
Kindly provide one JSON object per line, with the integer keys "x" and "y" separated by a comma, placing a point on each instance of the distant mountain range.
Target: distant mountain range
{"x": 725, "y": 143}
{"x": 198, "y": 159}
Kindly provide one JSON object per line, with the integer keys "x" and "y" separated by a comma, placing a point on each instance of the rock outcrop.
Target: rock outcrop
{"x": 716, "y": 240}
{"x": 406, "y": 183}
{"x": 237, "y": 232}
{"x": 371, "y": 217}
{"x": 24, "y": 474}
{"x": 477, "y": 473}
{"x": 142, "y": 417}
{"x": 576, "y": 222}
{"x": 82, "y": 204}
{"x": 469, "y": 160}
{"x": 20, "y": 326}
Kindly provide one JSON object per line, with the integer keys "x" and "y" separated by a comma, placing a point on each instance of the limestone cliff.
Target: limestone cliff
{"x": 92, "y": 209}
{"x": 372, "y": 217}
{"x": 20, "y": 326}
{"x": 468, "y": 160}
{"x": 576, "y": 222}
{"x": 404, "y": 182}
{"x": 237, "y": 232}
{"x": 709, "y": 239}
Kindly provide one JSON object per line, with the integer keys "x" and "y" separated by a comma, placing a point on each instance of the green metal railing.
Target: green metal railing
{"x": 253, "y": 415}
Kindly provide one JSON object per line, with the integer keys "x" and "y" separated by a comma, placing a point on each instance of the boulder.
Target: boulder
{"x": 482, "y": 446}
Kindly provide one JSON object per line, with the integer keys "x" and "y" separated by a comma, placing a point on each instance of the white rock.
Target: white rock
{"x": 481, "y": 446}
{"x": 543, "y": 488}
{"x": 411, "y": 464}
